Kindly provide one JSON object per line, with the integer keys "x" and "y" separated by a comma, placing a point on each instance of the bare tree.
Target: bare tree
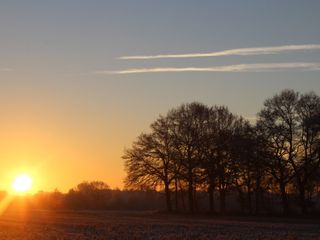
{"x": 218, "y": 162}
{"x": 278, "y": 119}
{"x": 189, "y": 123}
{"x": 195, "y": 148}
{"x": 244, "y": 162}
{"x": 150, "y": 162}
{"x": 308, "y": 162}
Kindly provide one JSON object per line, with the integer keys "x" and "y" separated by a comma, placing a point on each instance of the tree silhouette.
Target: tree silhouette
{"x": 189, "y": 128}
{"x": 151, "y": 160}
{"x": 278, "y": 121}
{"x": 195, "y": 148}
{"x": 307, "y": 164}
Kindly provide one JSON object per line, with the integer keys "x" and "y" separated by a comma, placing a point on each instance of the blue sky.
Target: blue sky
{"x": 56, "y": 107}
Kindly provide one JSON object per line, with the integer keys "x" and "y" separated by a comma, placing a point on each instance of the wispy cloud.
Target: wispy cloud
{"x": 6, "y": 69}
{"x": 231, "y": 52}
{"x": 255, "y": 67}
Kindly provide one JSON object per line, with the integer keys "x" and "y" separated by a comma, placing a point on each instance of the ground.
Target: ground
{"x": 62, "y": 225}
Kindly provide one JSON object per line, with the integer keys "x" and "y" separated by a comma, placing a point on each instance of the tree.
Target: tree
{"x": 262, "y": 158}
{"x": 289, "y": 121}
{"x": 217, "y": 161}
{"x": 195, "y": 148}
{"x": 278, "y": 121}
{"x": 88, "y": 187}
{"x": 210, "y": 162}
{"x": 89, "y": 195}
{"x": 308, "y": 162}
{"x": 243, "y": 149}
{"x": 189, "y": 128}
{"x": 151, "y": 160}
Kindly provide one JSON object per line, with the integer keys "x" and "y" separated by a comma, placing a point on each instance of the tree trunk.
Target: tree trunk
{"x": 302, "y": 199}
{"x": 257, "y": 196}
{"x": 249, "y": 194}
{"x": 190, "y": 195}
{"x": 284, "y": 199}
{"x": 211, "y": 198}
{"x": 168, "y": 197}
{"x": 190, "y": 190}
{"x": 176, "y": 194}
{"x": 241, "y": 200}
{"x": 182, "y": 196}
{"x": 195, "y": 200}
{"x": 222, "y": 200}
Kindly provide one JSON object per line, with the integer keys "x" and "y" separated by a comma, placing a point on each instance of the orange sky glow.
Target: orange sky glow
{"x": 80, "y": 80}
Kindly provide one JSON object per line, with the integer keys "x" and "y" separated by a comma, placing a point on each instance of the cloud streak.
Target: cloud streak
{"x": 255, "y": 67}
{"x": 231, "y": 52}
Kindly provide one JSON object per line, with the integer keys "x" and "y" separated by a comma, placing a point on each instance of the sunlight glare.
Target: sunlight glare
{"x": 22, "y": 183}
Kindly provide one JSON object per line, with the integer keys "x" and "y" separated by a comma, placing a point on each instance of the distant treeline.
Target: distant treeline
{"x": 95, "y": 195}
{"x": 268, "y": 167}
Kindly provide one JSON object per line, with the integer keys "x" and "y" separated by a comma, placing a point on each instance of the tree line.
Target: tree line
{"x": 195, "y": 148}
{"x": 94, "y": 195}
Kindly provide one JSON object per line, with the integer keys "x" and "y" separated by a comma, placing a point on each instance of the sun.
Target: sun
{"x": 22, "y": 183}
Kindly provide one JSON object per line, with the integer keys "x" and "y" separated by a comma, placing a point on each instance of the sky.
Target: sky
{"x": 80, "y": 80}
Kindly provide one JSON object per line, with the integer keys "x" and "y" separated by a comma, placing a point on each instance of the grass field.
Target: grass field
{"x": 47, "y": 225}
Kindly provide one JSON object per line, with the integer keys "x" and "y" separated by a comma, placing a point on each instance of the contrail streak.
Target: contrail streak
{"x": 231, "y": 52}
{"x": 255, "y": 67}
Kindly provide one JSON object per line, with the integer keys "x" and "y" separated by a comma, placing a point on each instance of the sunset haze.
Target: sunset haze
{"x": 72, "y": 100}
